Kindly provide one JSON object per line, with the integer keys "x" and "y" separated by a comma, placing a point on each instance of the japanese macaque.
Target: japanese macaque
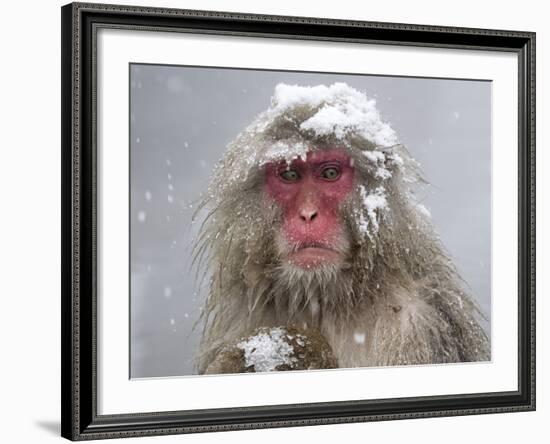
{"x": 312, "y": 234}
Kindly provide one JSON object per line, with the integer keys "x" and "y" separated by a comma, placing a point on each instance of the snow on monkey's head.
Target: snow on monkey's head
{"x": 314, "y": 176}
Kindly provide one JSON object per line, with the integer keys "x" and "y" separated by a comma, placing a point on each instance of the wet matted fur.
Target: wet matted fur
{"x": 397, "y": 288}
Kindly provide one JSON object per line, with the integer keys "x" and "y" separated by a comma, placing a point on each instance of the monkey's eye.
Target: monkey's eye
{"x": 330, "y": 173}
{"x": 289, "y": 175}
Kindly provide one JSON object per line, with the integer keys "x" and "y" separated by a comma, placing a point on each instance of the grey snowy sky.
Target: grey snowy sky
{"x": 182, "y": 118}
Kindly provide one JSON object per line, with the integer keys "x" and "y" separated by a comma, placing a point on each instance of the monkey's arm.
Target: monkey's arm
{"x": 274, "y": 349}
{"x": 427, "y": 328}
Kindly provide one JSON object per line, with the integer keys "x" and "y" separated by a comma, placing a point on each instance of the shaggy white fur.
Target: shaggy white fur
{"x": 396, "y": 288}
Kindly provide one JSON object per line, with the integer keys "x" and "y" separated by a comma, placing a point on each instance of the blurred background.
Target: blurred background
{"x": 182, "y": 118}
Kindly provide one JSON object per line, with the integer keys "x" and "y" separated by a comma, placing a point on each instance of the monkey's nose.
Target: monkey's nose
{"x": 307, "y": 215}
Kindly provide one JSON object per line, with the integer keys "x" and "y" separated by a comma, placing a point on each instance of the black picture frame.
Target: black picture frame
{"x": 80, "y": 419}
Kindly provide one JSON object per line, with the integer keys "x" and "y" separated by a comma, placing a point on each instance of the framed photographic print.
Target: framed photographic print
{"x": 276, "y": 221}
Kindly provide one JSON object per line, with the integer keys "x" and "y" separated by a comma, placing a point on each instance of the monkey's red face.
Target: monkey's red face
{"x": 310, "y": 194}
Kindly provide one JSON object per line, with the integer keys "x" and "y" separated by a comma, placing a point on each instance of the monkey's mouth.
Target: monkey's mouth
{"x": 312, "y": 255}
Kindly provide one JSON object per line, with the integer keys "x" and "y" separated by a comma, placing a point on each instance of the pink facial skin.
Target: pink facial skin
{"x": 310, "y": 194}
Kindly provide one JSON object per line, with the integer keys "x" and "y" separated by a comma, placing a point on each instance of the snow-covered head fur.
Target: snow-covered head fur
{"x": 397, "y": 284}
